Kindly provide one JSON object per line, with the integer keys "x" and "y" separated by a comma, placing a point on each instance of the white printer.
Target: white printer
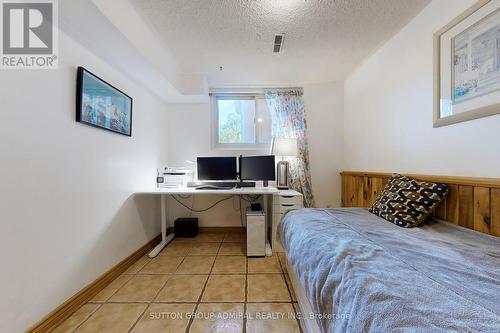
{"x": 173, "y": 177}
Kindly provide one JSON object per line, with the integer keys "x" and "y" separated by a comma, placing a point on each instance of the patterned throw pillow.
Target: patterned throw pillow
{"x": 407, "y": 202}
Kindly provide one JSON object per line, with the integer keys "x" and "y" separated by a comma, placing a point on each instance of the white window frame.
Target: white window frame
{"x": 214, "y": 110}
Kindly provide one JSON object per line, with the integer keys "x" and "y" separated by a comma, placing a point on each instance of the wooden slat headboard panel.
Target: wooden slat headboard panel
{"x": 473, "y": 203}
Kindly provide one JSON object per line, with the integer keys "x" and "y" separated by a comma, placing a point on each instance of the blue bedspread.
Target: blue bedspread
{"x": 364, "y": 274}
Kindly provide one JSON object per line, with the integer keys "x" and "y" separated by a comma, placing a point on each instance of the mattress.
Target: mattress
{"x": 364, "y": 274}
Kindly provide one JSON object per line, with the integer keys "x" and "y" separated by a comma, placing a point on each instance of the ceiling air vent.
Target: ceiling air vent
{"x": 278, "y": 42}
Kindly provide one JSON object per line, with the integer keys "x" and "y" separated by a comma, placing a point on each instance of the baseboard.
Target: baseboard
{"x": 61, "y": 313}
{"x": 221, "y": 230}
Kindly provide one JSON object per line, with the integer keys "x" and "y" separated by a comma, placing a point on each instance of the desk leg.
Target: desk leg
{"x": 164, "y": 238}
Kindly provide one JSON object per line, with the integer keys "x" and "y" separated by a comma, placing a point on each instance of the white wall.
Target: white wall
{"x": 66, "y": 210}
{"x": 324, "y": 104}
{"x": 388, "y": 109}
{"x": 189, "y": 137}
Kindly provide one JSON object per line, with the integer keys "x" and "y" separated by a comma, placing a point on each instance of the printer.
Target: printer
{"x": 173, "y": 177}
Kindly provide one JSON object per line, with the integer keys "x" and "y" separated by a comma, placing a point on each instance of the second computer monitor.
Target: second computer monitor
{"x": 257, "y": 168}
{"x": 217, "y": 168}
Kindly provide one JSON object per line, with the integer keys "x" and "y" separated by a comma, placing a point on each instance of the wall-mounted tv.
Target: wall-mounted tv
{"x": 99, "y": 104}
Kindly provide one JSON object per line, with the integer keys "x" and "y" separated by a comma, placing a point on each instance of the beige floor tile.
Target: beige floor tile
{"x": 162, "y": 265}
{"x": 141, "y": 288}
{"x": 267, "y": 288}
{"x": 180, "y": 245}
{"x": 209, "y": 237}
{"x": 76, "y": 318}
{"x": 138, "y": 265}
{"x": 218, "y": 317}
{"x": 289, "y": 283}
{"x": 183, "y": 240}
{"x": 196, "y": 265}
{"x": 264, "y": 265}
{"x": 235, "y": 237}
{"x": 182, "y": 288}
{"x": 282, "y": 259}
{"x": 224, "y": 288}
{"x": 111, "y": 318}
{"x": 107, "y": 292}
{"x": 296, "y": 307}
{"x": 230, "y": 265}
{"x": 165, "y": 318}
{"x": 239, "y": 249}
{"x": 177, "y": 249}
{"x": 271, "y": 317}
{"x": 204, "y": 249}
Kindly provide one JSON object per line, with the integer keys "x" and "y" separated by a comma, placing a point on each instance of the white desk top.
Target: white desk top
{"x": 234, "y": 191}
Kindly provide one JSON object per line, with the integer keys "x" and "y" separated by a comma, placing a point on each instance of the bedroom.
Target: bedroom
{"x": 355, "y": 87}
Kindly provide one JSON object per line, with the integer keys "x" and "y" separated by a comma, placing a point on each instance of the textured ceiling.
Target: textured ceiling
{"x": 325, "y": 39}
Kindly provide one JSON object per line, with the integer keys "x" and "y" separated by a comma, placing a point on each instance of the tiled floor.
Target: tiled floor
{"x": 202, "y": 284}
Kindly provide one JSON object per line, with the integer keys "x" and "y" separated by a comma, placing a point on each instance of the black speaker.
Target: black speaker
{"x": 186, "y": 227}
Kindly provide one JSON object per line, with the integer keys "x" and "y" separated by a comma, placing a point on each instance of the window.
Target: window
{"x": 241, "y": 122}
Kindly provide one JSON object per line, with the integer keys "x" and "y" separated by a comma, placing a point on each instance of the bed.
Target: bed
{"x": 355, "y": 272}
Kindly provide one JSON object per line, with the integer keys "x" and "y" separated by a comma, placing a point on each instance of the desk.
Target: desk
{"x": 268, "y": 192}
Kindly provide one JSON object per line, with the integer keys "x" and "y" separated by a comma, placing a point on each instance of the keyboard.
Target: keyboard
{"x": 245, "y": 184}
{"x": 221, "y": 184}
{"x": 212, "y": 187}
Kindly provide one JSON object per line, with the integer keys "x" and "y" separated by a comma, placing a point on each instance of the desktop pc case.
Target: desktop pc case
{"x": 256, "y": 233}
{"x": 186, "y": 227}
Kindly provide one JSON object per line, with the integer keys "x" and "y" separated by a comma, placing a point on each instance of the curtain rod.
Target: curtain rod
{"x": 248, "y": 91}
{"x": 255, "y": 88}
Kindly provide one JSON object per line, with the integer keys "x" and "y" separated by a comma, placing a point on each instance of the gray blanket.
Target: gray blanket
{"x": 364, "y": 274}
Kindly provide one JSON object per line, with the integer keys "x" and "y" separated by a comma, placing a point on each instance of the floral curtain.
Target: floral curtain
{"x": 289, "y": 121}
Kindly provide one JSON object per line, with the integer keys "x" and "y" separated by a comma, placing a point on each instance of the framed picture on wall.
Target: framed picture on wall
{"x": 467, "y": 65}
{"x": 101, "y": 105}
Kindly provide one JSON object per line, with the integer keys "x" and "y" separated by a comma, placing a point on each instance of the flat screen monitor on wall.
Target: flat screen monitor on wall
{"x": 257, "y": 168}
{"x": 217, "y": 168}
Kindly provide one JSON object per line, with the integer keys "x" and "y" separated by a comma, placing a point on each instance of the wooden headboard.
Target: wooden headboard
{"x": 473, "y": 203}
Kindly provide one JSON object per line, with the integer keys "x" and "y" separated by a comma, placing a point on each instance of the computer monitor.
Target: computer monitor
{"x": 217, "y": 168}
{"x": 257, "y": 168}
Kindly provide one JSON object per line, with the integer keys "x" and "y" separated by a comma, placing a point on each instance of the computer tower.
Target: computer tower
{"x": 186, "y": 227}
{"x": 256, "y": 233}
